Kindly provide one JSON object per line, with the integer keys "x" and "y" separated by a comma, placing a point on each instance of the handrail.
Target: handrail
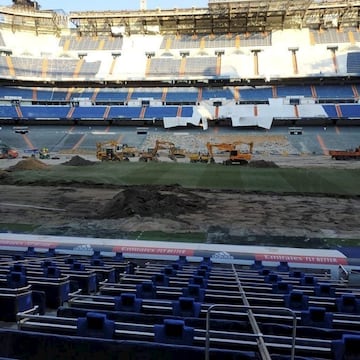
{"x": 259, "y": 335}
{"x": 343, "y": 273}
{"x": 261, "y": 344}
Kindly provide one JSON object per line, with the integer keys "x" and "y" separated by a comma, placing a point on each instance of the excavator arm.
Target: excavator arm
{"x": 235, "y": 156}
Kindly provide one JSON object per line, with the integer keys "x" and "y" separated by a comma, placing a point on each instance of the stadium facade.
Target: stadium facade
{"x": 235, "y": 63}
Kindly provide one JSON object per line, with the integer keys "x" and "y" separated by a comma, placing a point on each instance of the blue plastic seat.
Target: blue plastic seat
{"x": 198, "y": 280}
{"x": 96, "y": 262}
{"x": 174, "y": 332}
{"x": 160, "y": 279}
{"x": 272, "y": 278}
{"x": 146, "y": 290}
{"x": 77, "y": 266}
{"x": 347, "y": 348}
{"x": 257, "y": 265}
{"x": 194, "y": 291}
{"x": 323, "y": 289}
{"x": 283, "y": 266}
{"x": 52, "y": 272}
{"x": 296, "y": 300}
{"x": 308, "y": 280}
{"x": 348, "y": 303}
{"x": 15, "y": 280}
{"x": 281, "y": 287}
{"x": 186, "y": 307}
{"x": 127, "y": 302}
{"x": 169, "y": 270}
{"x": 317, "y": 317}
{"x": 95, "y": 325}
{"x": 19, "y": 268}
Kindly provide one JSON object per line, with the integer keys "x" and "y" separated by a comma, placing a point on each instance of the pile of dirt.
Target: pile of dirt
{"x": 30, "y": 163}
{"x": 152, "y": 201}
{"x": 262, "y": 164}
{"x": 78, "y": 161}
{"x": 3, "y": 174}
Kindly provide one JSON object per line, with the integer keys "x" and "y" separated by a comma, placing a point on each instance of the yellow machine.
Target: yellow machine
{"x": 44, "y": 153}
{"x": 111, "y": 151}
{"x": 199, "y": 158}
{"x": 152, "y": 154}
{"x": 236, "y": 156}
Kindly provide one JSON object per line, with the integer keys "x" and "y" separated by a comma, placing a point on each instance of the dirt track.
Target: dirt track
{"x": 114, "y": 211}
{"x": 98, "y": 212}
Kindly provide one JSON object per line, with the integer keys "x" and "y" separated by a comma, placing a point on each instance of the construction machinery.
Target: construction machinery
{"x": 152, "y": 153}
{"x": 112, "y": 151}
{"x": 351, "y": 154}
{"x": 6, "y": 152}
{"x": 199, "y": 157}
{"x": 236, "y": 155}
{"x": 44, "y": 153}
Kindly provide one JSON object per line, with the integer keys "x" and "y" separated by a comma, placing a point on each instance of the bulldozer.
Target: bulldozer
{"x": 6, "y": 152}
{"x": 152, "y": 153}
{"x": 235, "y": 155}
{"x": 112, "y": 151}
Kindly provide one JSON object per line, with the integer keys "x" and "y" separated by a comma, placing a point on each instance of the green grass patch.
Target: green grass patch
{"x": 22, "y": 228}
{"x": 214, "y": 176}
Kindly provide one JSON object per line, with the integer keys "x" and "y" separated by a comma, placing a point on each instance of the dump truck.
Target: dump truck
{"x": 350, "y": 154}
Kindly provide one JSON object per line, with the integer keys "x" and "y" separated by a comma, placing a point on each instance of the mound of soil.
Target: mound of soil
{"x": 30, "y": 163}
{"x": 152, "y": 201}
{"x": 78, "y": 161}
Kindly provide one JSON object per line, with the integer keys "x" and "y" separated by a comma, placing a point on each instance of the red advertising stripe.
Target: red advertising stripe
{"x": 153, "y": 250}
{"x": 31, "y": 243}
{"x": 302, "y": 259}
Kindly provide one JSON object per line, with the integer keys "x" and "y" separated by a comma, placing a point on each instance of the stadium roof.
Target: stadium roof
{"x": 220, "y": 17}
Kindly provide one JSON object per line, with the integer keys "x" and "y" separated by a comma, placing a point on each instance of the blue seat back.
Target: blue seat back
{"x": 146, "y": 290}
{"x": 52, "y": 272}
{"x": 95, "y": 325}
{"x": 281, "y": 287}
{"x": 317, "y": 317}
{"x": 128, "y": 302}
{"x": 174, "y": 332}
{"x": 186, "y": 307}
{"x": 347, "y": 348}
{"x": 194, "y": 291}
{"x": 296, "y": 300}
{"x": 16, "y": 280}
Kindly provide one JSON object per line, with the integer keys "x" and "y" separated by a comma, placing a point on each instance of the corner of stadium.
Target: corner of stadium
{"x": 166, "y": 98}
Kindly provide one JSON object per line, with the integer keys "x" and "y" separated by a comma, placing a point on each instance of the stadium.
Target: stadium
{"x": 122, "y": 233}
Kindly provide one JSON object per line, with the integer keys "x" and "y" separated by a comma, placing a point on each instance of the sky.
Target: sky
{"x": 84, "y": 5}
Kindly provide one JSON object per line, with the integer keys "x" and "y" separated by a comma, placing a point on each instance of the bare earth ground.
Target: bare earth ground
{"x": 112, "y": 212}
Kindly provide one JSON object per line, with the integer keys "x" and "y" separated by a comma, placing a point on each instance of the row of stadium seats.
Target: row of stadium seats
{"x": 159, "y": 304}
{"x": 204, "y": 66}
{"x": 191, "y": 95}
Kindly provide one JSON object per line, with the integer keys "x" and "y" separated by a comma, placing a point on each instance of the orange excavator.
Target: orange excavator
{"x": 236, "y": 155}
